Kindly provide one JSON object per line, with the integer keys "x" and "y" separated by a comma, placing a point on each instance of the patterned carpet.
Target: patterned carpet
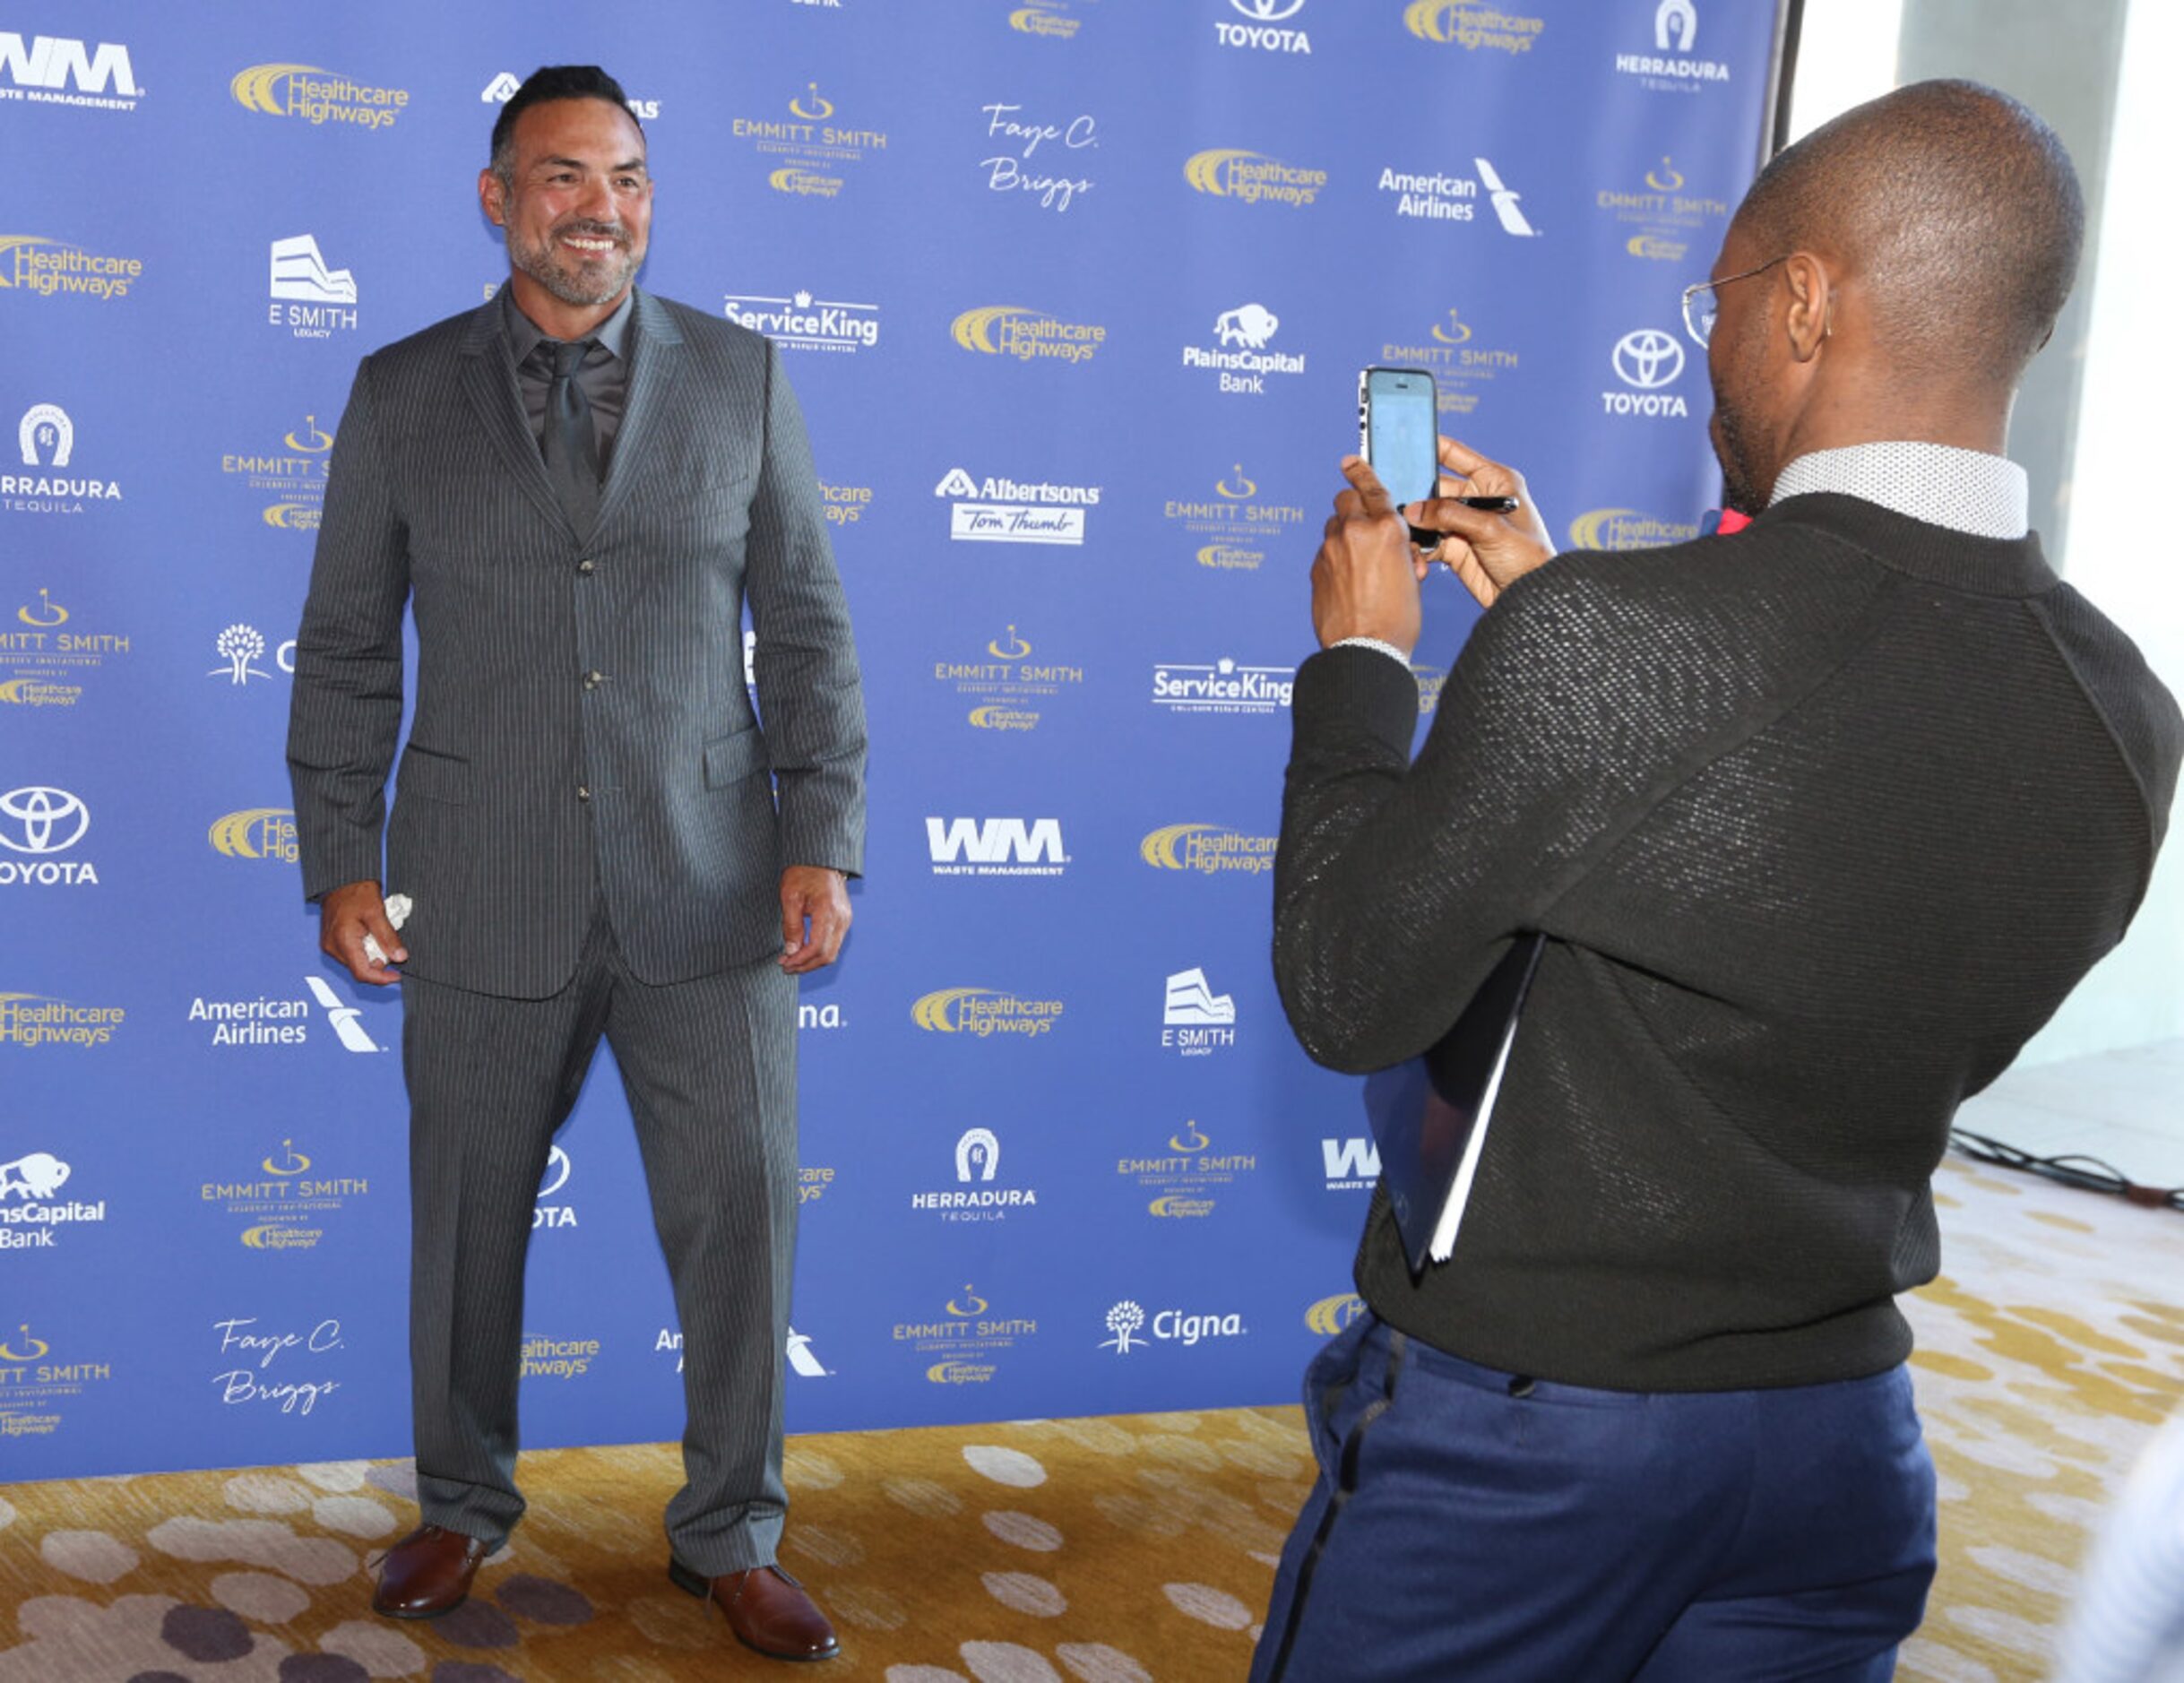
{"x": 1103, "y": 1550}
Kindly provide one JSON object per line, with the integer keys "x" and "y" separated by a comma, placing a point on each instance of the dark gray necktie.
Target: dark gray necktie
{"x": 570, "y": 447}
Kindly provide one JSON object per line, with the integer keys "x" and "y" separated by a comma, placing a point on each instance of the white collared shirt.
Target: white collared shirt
{"x": 1969, "y": 491}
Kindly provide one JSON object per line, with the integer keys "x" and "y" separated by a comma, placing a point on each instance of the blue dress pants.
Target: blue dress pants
{"x": 1471, "y": 1524}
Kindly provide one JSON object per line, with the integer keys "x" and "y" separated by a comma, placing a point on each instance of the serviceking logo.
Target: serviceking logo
{"x": 317, "y": 95}
{"x": 294, "y": 476}
{"x": 982, "y": 1012}
{"x": 1645, "y": 359}
{"x": 1209, "y": 850}
{"x": 1186, "y": 1328}
{"x": 266, "y": 833}
{"x": 46, "y": 437}
{"x": 1028, "y": 335}
{"x": 1436, "y": 196}
{"x": 503, "y": 89}
{"x": 1195, "y": 1020}
{"x": 34, "y": 1181}
{"x": 967, "y": 1341}
{"x": 1249, "y": 177}
{"x": 37, "y": 821}
{"x": 1224, "y": 686}
{"x": 1461, "y": 23}
{"x": 1351, "y": 1164}
{"x": 240, "y": 647}
{"x": 1233, "y": 526}
{"x": 1627, "y": 528}
{"x": 51, "y": 268}
{"x": 265, "y": 1020}
{"x": 1239, "y": 356}
{"x": 1672, "y": 66}
{"x": 1186, "y": 1178}
{"x": 975, "y": 1198}
{"x": 56, "y": 70}
{"x": 800, "y": 322}
{"x": 1260, "y": 30}
{"x": 1010, "y": 690}
{"x": 35, "y": 1020}
{"x": 814, "y": 152}
{"x": 998, "y": 509}
{"x": 996, "y": 847}
{"x": 1463, "y": 370}
{"x": 320, "y": 300}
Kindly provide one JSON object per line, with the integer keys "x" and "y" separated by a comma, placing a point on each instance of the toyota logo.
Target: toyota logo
{"x": 1268, "y": 10}
{"x": 47, "y": 819}
{"x": 1648, "y": 359}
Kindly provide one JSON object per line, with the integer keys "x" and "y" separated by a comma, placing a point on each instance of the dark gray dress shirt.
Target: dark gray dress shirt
{"x": 604, "y": 377}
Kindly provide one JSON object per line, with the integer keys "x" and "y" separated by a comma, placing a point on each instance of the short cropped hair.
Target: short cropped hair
{"x": 549, "y": 83}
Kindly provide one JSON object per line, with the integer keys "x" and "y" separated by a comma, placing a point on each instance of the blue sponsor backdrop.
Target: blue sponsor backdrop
{"x": 1074, "y": 293}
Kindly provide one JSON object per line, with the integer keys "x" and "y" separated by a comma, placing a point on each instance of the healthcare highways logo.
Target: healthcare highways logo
{"x": 1187, "y": 1179}
{"x": 31, "y": 1209}
{"x": 1209, "y": 850}
{"x": 54, "y": 268}
{"x": 262, "y": 834}
{"x": 60, "y": 70}
{"x": 1027, "y": 335}
{"x": 1461, "y": 23}
{"x": 1249, "y": 177}
{"x": 317, "y": 97}
{"x": 1627, "y": 528}
{"x": 1330, "y": 1315}
{"x": 965, "y": 1343}
{"x": 32, "y": 1021}
{"x": 984, "y": 1013}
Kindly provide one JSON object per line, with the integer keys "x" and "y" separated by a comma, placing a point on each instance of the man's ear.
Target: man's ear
{"x": 492, "y": 198}
{"x": 1811, "y": 316}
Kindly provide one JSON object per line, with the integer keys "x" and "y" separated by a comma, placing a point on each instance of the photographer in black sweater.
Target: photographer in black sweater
{"x": 1822, "y": 821}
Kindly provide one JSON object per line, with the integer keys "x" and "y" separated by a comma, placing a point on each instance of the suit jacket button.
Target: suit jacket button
{"x": 587, "y": 566}
{"x": 592, "y": 680}
{"x": 583, "y": 793}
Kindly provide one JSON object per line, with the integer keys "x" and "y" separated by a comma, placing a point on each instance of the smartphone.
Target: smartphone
{"x": 1398, "y": 416}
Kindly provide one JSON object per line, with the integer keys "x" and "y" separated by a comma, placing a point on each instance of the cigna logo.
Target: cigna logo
{"x": 56, "y": 70}
{"x": 1029, "y": 335}
{"x": 316, "y": 96}
{"x": 984, "y": 1012}
{"x": 1208, "y": 848}
{"x": 255, "y": 832}
{"x": 1252, "y": 177}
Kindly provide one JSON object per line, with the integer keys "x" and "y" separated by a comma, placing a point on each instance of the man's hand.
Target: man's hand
{"x": 1488, "y": 552}
{"x": 822, "y": 896}
{"x": 348, "y": 913}
{"x": 1363, "y": 581}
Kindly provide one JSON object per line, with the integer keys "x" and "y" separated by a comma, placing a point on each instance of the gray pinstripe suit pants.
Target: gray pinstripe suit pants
{"x": 710, "y": 1069}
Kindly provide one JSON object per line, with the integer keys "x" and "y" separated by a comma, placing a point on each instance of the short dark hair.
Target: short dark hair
{"x": 546, "y": 84}
{"x": 1958, "y": 208}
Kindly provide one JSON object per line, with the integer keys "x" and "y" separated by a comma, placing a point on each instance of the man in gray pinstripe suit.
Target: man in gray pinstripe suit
{"x": 575, "y": 489}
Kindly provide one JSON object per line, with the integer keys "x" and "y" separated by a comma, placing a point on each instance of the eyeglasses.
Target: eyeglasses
{"x": 1699, "y": 307}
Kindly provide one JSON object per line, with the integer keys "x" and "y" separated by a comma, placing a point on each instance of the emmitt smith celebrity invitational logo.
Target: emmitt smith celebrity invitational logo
{"x": 812, "y": 153}
{"x": 1186, "y": 1178}
{"x": 1233, "y": 526}
{"x": 965, "y": 1343}
{"x": 1462, "y": 367}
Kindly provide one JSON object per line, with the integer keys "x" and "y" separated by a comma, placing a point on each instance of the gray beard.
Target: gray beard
{"x": 541, "y": 265}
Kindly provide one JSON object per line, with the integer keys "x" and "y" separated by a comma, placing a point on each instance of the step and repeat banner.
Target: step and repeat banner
{"x": 1074, "y": 293}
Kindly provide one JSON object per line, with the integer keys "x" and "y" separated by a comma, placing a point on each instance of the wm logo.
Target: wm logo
{"x": 48, "y": 62}
{"x": 995, "y": 840}
{"x": 1351, "y": 1160}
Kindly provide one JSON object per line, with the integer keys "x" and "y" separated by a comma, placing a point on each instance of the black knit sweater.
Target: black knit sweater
{"x": 1822, "y": 821}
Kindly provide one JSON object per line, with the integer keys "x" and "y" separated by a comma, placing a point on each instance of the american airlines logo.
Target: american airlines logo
{"x": 53, "y": 70}
{"x": 996, "y": 847}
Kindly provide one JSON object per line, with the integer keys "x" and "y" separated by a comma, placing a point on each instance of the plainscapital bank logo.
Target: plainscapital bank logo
{"x": 1627, "y": 528}
{"x": 317, "y": 95}
{"x": 1231, "y": 527}
{"x": 800, "y": 322}
{"x": 976, "y": 1197}
{"x": 1208, "y": 850}
{"x": 1460, "y": 23}
{"x": 34, "y": 1181}
{"x": 1461, "y": 368}
{"x": 1665, "y": 219}
{"x": 998, "y": 509}
{"x": 1009, "y": 690}
{"x": 1673, "y": 66}
{"x": 1029, "y": 335}
{"x": 30, "y": 263}
{"x": 1054, "y": 20}
{"x": 293, "y": 476}
{"x": 1330, "y": 1315}
{"x": 1186, "y": 1327}
{"x": 1187, "y": 1180}
{"x": 38, "y": 661}
{"x": 503, "y": 89}
{"x": 1195, "y": 1022}
{"x": 40, "y": 1020}
{"x": 1263, "y": 29}
{"x": 1434, "y": 195}
{"x": 283, "y": 1204}
{"x": 265, "y": 834}
{"x": 59, "y": 69}
{"x": 1241, "y": 355}
{"x": 803, "y": 1361}
{"x": 1645, "y": 359}
{"x": 811, "y": 152}
{"x": 1224, "y": 686}
{"x": 34, "y": 1386}
{"x": 983, "y": 1013}
{"x": 1249, "y": 177}
{"x": 964, "y": 1344}
{"x": 264, "y": 1020}
{"x": 996, "y": 847}
{"x": 37, "y": 822}
{"x": 310, "y": 299}
{"x": 47, "y": 439}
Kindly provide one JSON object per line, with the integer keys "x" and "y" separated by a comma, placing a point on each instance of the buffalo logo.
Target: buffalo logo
{"x": 1250, "y": 325}
{"x": 36, "y": 1175}
{"x": 1330, "y": 1315}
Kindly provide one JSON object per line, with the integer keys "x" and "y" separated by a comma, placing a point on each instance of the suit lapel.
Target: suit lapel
{"x": 488, "y": 382}
{"x": 655, "y": 365}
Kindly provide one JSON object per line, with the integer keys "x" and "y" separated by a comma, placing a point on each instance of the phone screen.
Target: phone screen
{"x": 1400, "y": 425}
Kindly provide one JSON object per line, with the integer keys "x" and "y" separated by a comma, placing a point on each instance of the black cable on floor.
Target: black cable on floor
{"x": 2072, "y": 1168}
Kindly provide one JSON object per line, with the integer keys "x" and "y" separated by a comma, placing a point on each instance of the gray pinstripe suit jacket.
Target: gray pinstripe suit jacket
{"x": 438, "y": 498}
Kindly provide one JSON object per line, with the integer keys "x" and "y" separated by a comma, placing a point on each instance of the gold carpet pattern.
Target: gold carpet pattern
{"x": 1106, "y": 1550}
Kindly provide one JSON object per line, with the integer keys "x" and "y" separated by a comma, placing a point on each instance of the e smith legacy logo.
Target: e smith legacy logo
{"x": 316, "y": 96}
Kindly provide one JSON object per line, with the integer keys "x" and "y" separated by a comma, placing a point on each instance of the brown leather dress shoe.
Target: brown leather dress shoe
{"x": 767, "y": 1608}
{"x": 428, "y": 1573}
